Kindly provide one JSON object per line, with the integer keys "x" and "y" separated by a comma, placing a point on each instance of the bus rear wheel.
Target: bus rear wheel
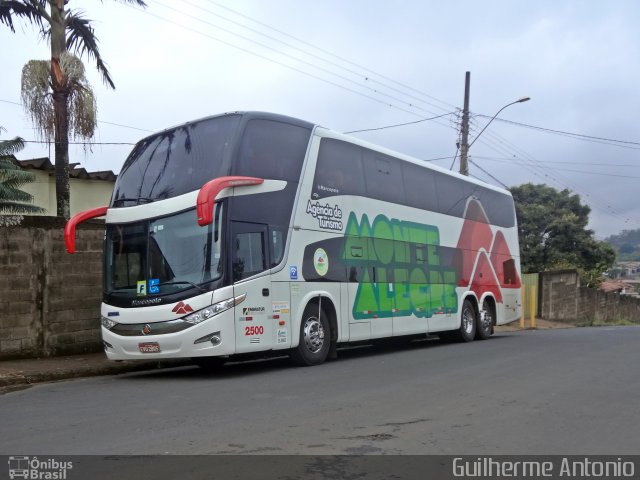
{"x": 484, "y": 328}
{"x": 468, "y": 323}
{"x": 315, "y": 338}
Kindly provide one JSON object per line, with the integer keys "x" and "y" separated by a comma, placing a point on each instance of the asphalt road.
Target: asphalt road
{"x": 574, "y": 391}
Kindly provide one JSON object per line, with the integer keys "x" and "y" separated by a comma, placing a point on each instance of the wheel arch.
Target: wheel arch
{"x": 328, "y": 304}
{"x": 471, "y": 296}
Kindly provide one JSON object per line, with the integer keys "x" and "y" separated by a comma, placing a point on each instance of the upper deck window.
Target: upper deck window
{"x": 176, "y": 161}
{"x": 272, "y": 150}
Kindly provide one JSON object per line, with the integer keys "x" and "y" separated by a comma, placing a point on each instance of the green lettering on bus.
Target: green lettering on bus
{"x": 401, "y": 272}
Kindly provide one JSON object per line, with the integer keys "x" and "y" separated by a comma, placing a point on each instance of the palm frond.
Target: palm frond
{"x": 9, "y": 147}
{"x": 81, "y": 40}
{"x": 13, "y": 180}
{"x": 17, "y": 208}
{"x": 8, "y": 194}
{"x": 32, "y": 10}
{"x": 36, "y": 96}
{"x": 140, "y": 3}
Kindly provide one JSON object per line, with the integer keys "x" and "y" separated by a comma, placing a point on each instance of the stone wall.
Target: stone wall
{"x": 563, "y": 299}
{"x": 558, "y": 295}
{"x": 49, "y": 300}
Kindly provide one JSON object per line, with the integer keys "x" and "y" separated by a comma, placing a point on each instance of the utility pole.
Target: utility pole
{"x": 464, "y": 146}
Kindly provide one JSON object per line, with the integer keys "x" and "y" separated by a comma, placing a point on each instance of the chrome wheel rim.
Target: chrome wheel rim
{"x": 467, "y": 321}
{"x": 485, "y": 318}
{"x": 313, "y": 334}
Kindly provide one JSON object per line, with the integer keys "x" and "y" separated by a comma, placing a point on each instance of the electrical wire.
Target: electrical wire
{"x": 297, "y": 59}
{"x": 578, "y": 136}
{"x": 399, "y": 124}
{"x": 331, "y": 54}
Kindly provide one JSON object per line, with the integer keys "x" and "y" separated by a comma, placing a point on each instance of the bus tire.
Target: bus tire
{"x": 468, "y": 322}
{"x": 484, "y": 328}
{"x": 210, "y": 364}
{"x": 315, "y": 338}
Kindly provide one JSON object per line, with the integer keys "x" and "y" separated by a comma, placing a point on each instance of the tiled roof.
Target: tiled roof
{"x": 74, "y": 172}
{"x": 616, "y": 286}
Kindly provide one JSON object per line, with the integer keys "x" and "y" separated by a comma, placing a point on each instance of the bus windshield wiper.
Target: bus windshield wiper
{"x": 138, "y": 200}
{"x": 185, "y": 282}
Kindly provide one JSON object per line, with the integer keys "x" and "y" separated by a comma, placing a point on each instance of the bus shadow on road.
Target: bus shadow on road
{"x": 257, "y": 366}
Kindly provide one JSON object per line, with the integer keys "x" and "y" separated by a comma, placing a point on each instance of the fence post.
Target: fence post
{"x": 524, "y": 297}
{"x": 532, "y": 306}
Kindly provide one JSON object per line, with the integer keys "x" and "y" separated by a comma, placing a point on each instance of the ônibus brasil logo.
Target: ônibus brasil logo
{"x": 34, "y": 468}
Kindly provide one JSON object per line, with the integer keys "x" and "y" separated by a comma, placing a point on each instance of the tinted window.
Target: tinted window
{"x": 339, "y": 170}
{"x": 176, "y": 161}
{"x": 383, "y": 175}
{"x": 344, "y": 169}
{"x": 498, "y": 206}
{"x": 420, "y": 187}
{"x": 453, "y": 194}
{"x": 272, "y": 150}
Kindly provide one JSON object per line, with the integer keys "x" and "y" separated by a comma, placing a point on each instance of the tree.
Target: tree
{"x": 627, "y": 243}
{"x": 552, "y": 227}
{"x": 67, "y": 31}
{"x": 13, "y": 200}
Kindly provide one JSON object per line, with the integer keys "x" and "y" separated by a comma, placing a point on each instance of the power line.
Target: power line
{"x": 9, "y": 101}
{"x": 554, "y": 162}
{"x": 561, "y": 182}
{"x": 363, "y": 76}
{"x": 297, "y": 59}
{"x": 290, "y": 67}
{"x": 399, "y": 124}
{"x": 487, "y": 173}
{"x": 349, "y": 62}
{"x": 606, "y": 141}
{"x": 491, "y": 159}
{"x": 99, "y": 121}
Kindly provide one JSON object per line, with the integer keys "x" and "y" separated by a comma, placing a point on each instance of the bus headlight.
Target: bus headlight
{"x": 215, "y": 309}
{"x": 108, "y": 323}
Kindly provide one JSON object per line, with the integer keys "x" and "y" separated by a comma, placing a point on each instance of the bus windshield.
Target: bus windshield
{"x": 162, "y": 256}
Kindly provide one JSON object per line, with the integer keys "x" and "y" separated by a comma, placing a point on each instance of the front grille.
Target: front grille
{"x": 155, "y": 328}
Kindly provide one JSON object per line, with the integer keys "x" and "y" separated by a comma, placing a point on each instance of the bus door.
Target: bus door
{"x": 250, "y": 258}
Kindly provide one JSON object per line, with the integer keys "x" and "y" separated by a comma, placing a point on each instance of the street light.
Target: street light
{"x": 464, "y": 168}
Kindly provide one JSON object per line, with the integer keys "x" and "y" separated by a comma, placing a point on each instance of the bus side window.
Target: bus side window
{"x": 510, "y": 272}
{"x": 339, "y": 170}
{"x": 277, "y": 237}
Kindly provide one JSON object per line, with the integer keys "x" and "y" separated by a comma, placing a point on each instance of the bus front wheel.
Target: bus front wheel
{"x": 315, "y": 337}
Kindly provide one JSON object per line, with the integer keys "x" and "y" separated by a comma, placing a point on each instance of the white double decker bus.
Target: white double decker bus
{"x": 254, "y": 232}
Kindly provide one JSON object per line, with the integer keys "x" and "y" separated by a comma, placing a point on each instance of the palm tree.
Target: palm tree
{"x": 13, "y": 200}
{"x": 66, "y": 30}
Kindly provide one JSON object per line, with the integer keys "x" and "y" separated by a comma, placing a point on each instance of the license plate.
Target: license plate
{"x": 149, "y": 347}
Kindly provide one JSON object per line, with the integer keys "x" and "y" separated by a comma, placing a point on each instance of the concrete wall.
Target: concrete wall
{"x": 563, "y": 299}
{"x": 84, "y": 193}
{"x": 49, "y": 300}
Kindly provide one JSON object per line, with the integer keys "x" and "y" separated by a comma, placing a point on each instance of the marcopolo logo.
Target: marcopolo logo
{"x": 38, "y": 469}
{"x": 250, "y": 310}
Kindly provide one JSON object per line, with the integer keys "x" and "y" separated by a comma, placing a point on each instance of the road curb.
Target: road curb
{"x": 17, "y": 379}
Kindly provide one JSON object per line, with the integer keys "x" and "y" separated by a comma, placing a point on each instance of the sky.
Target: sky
{"x": 367, "y": 64}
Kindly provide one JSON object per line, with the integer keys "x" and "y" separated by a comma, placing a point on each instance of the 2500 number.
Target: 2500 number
{"x": 254, "y": 330}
